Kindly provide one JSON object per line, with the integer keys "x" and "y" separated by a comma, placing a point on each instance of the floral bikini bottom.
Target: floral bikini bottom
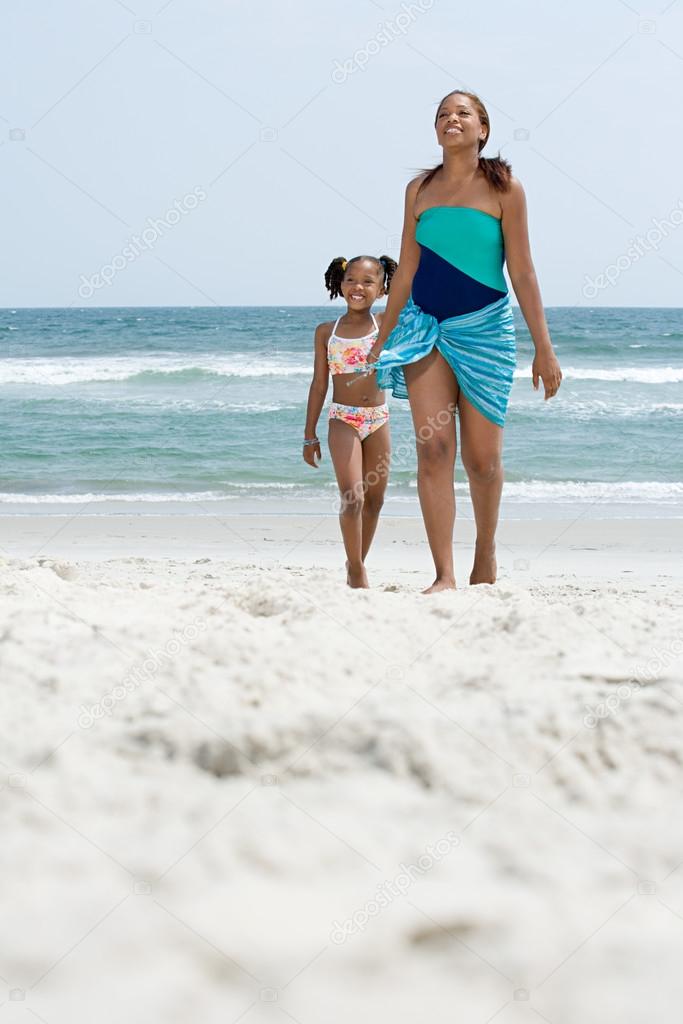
{"x": 365, "y": 419}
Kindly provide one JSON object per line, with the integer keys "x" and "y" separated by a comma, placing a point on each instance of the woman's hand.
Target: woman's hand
{"x": 311, "y": 453}
{"x": 374, "y": 353}
{"x": 546, "y": 367}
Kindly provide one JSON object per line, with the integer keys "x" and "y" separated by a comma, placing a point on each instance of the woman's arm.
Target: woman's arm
{"x": 523, "y": 278}
{"x": 317, "y": 393}
{"x": 402, "y": 280}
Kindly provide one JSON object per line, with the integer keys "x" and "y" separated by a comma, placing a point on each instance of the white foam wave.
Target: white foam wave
{"x": 146, "y": 402}
{"x": 595, "y": 490}
{"x": 67, "y": 370}
{"x": 547, "y": 491}
{"x": 59, "y": 372}
{"x": 92, "y": 498}
{"x": 623, "y": 491}
{"x": 616, "y": 408}
{"x": 636, "y": 374}
{"x": 275, "y": 486}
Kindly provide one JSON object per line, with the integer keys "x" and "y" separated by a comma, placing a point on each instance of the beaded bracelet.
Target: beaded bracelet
{"x": 311, "y": 440}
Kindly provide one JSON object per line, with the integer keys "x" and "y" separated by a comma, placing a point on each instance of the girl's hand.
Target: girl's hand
{"x": 311, "y": 453}
{"x": 546, "y": 367}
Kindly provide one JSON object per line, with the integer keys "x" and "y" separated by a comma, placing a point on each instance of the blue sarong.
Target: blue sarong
{"x": 479, "y": 347}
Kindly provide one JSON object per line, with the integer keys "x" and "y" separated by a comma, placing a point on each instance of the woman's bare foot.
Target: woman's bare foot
{"x": 356, "y": 576}
{"x": 485, "y": 567}
{"x": 441, "y": 583}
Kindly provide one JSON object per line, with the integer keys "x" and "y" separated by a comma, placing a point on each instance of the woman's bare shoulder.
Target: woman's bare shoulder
{"x": 412, "y": 189}
{"x": 414, "y": 183}
{"x": 514, "y": 194}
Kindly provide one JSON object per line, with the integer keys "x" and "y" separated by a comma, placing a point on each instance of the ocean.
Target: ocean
{"x": 120, "y": 410}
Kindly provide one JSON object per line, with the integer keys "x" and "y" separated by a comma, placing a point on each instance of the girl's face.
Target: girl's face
{"x": 458, "y": 123}
{"x": 362, "y": 284}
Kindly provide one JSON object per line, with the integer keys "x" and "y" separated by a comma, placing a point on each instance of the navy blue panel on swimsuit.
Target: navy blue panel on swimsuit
{"x": 459, "y": 305}
{"x": 442, "y": 290}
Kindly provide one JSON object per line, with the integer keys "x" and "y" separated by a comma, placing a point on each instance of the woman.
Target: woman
{"x": 447, "y": 337}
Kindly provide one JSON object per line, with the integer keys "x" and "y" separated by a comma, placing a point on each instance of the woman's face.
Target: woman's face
{"x": 458, "y": 124}
{"x": 362, "y": 284}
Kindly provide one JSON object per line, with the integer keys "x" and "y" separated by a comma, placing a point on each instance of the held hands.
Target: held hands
{"x": 312, "y": 453}
{"x": 546, "y": 367}
{"x": 374, "y": 353}
{"x": 372, "y": 357}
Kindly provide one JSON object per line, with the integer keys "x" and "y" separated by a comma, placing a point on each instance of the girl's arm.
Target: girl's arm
{"x": 317, "y": 393}
{"x": 402, "y": 281}
{"x": 525, "y": 284}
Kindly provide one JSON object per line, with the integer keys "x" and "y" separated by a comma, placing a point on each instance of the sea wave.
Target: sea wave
{"x": 595, "y": 490}
{"x": 90, "y": 498}
{"x": 622, "y": 491}
{"x": 139, "y": 369}
{"x": 636, "y": 374}
{"x": 178, "y": 369}
{"x": 519, "y": 491}
{"x": 616, "y": 408}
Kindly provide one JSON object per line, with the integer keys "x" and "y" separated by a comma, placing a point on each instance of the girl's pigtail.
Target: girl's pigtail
{"x": 334, "y": 275}
{"x": 390, "y": 267}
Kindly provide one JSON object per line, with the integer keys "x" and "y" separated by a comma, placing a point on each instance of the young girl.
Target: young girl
{"x": 359, "y": 418}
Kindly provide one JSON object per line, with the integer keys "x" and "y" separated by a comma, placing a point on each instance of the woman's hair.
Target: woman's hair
{"x": 334, "y": 275}
{"x": 496, "y": 170}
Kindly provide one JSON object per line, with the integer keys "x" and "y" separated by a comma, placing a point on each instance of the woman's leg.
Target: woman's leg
{"x": 482, "y": 450}
{"x": 376, "y": 458}
{"x": 433, "y": 393}
{"x": 347, "y": 459}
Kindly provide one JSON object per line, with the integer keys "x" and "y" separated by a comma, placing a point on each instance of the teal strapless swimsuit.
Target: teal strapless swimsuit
{"x": 459, "y": 303}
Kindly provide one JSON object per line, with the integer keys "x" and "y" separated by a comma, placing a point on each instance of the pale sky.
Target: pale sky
{"x": 293, "y": 128}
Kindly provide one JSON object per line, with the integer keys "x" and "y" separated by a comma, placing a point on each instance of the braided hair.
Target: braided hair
{"x": 334, "y": 275}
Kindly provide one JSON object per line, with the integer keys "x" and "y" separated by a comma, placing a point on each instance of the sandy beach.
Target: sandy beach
{"x": 254, "y": 794}
{"x": 233, "y": 790}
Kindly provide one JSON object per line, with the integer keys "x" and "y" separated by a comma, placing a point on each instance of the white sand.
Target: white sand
{"x": 272, "y": 748}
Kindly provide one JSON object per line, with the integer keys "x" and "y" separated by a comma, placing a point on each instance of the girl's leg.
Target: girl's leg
{"x": 347, "y": 459}
{"x": 376, "y": 457}
{"x": 433, "y": 393}
{"x": 482, "y": 450}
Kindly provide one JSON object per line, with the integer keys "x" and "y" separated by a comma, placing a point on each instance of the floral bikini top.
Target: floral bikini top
{"x": 347, "y": 355}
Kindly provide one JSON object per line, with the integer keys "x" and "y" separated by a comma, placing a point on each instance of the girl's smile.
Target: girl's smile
{"x": 362, "y": 284}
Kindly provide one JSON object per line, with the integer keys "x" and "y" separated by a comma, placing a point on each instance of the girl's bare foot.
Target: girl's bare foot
{"x": 485, "y": 567}
{"x": 441, "y": 583}
{"x": 356, "y": 576}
